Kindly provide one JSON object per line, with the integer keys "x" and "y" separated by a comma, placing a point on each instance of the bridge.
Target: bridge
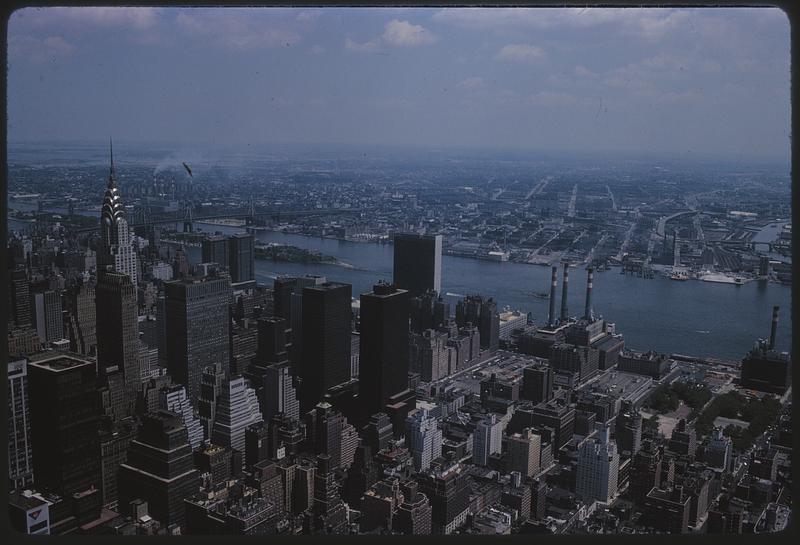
{"x": 662, "y": 222}
{"x": 188, "y": 219}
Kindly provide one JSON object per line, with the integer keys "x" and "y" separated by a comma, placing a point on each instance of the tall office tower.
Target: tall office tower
{"x": 244, "y": 342}
{"x": 159, "y": 469}
{"x": 20, "y": 460}
{"x": 241, "y": 255}
{"x": 303, "y": 488}
{"x": 118, "y": 327}
{"x": 349, "y": 445}
{"x": 65, "y": 414}
{"x": 537, "y": 383}
{"x": 628, "y": 429}
{"x": 47, "y": 316}
{"x": 210, "y": 388}
{"x": 378, "y": 432}
{"x": 116, "y": 246}
{"x": 598, "y": 468}
{"x": 256, "y": 443}
{"x": 115, "y": 438}
{"x": 383, "y": 353}
{"x": 417, "y": 262}
{"x": 487, "y": 439}
{"x": 180, "y": 264}
{"x": 324, "y": 427}
{"x": 282, "y": 290}
{"x": 361, "y": 475}
{"x": 523, "y": 452}
{"x": 79, "y": 302}
{"x": 326, "y": 341}
{"x": 270, "y": 372}
{"x": 214, "y": 249}
{"x": 294, "y": 323}
{"x": 413, "y": 516}
{"x": 448, "y": 491}
{"x": 560, "y": 417}
{"x": 329, "y": 512}
{"x": 197, "y": 328}
{"x": 379, "y": 504}
{"x": 174, "y": 399}
{"x": 237, "y": 408}
{"x": 481, "y": 313}
{"x": 117, "y": 400}
{"x": 424, "y": 438}
{"x": 20, "y": 299}
{"x": 421, "y": 311}
{"x": 538, "y": 498}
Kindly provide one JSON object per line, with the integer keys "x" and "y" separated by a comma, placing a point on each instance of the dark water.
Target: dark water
{"x": 695, "y": 318}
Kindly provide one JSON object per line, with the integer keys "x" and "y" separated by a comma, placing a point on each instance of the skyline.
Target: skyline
{"x": 588, "y": 80}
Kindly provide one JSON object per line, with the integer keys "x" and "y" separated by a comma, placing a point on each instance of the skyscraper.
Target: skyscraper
{"x": 173, "y": 399}
{"x": 79, "y": 302}
{"x": 628, "y": 429}
{"x": 118, "y": 327}
{"x": 383, "y": 352}
{"x": 19, "y": 298}
{"x": 537, "y": 383}
{"x": 214, "y": 249}
{"x": 270, "y": 373}
{"x": 417, "y": 262}
{"x": 598, "y": 468}
{"x": 47, "y": 316}
{"x": 159, "y": 468}
{"x": 116, "y": 247}
{"x": 65, "y": 412}
{"x": 20, "y": 451}
{"x": 424, "y": 438}
{"x": 197, "y": 327}
{"x": 241, "y": 255}
{"x": 448, "y": 491}
{"x": 237, "y": 408}
{"x": 487, "y": 439}
{"x": 326, "y": 334}
{"x": 523, "y": 452}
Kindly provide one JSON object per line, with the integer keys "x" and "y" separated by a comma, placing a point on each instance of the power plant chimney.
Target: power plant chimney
{"x": 564, "y": 311}
{"x": 588, "y": 311}
{"x": 774, "y": 327}
{"x": 551, "y": 318}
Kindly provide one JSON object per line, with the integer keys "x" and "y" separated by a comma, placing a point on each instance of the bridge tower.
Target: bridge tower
{"x": 251, "y": 212}
{"x": 188, "y": 223}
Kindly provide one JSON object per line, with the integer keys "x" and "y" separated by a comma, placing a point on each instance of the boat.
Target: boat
{"x": 679, "y": 276}
{"x": 540, "y": 294}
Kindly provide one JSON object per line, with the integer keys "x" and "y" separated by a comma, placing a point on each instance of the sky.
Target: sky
{"x": 679, "y": 81}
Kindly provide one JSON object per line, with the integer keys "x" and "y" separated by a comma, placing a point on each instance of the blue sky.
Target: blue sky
{"x": 703, "y": 81}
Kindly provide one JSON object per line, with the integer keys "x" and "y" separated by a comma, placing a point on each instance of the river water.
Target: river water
{"x": 694, "y": 318}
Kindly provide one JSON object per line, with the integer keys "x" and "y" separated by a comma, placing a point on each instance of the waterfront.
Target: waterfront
{"x": 695, "y": 318}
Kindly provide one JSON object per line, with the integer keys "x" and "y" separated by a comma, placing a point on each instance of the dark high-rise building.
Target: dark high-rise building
{"x": 270, "y": 373}
{"x": 47, "y": 316}
{"x": 256, "y": 443}
{"x": 383, "y": 353}
{"x": 241, "y": 255}
{"x": 560, "y": 417}
{"x": 448, "y": 491}
{"x": 378, "y": 432}
{"x": 418, "y": 262}
{"x": 481, "y": 313}
{"x": 65, "y": 416}
{"x": 20, "y": 299}
{"x": 580, "y": 361}
{"x": 114, "y": 441}
{"x": 628, "y": 429}
{"x": 159, "y": 468}
{"x": 283, "y": 287}
{"x": 329, "y": 513}
{"x": 326, "y": 334}
{"x": 197, "y": 328}
{"x": 646, "y": 471}
{"x": 79, "y": 302}
{"x": 118, "y": 327}
{"x": 20, "y": 451}
{"x": 537, "y": 383}
{"x": 215, "y": 250}
{"x": 360, "y": 476}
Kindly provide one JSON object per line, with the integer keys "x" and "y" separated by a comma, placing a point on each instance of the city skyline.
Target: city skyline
{"x": 532, "y": 79}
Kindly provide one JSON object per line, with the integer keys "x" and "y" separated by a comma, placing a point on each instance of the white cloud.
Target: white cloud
{"x": 238, "y": 29}
{"x": 521, "y": 53}
{"x": 475, "y": 82}
{"x": 371, "y": 45}
{"x": 404, "y": 34}
{"x": 39, "y": 50}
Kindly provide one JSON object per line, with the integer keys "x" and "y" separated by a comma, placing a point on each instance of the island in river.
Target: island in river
{"x": 293, "y": 254}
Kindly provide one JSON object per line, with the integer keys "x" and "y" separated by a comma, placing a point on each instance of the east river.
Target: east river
{"x": 694, "y": 318}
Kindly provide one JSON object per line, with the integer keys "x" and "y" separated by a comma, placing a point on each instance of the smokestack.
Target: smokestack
{"x": 774, "y": 327}
{"x": 564, "y": 311}
{"x": 588, "y": 311}
{"x": 551, "y": 318}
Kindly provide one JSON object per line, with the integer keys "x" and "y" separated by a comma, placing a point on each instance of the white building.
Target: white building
{"x": 174, "y": 399}
{"x": 487, "y": 439}
{"x": 425, "y": 440}
{"x": 237, "y": 408}
{"x": 509, "y": 321}
{"x": 116, "y": 244}
{"x": 598, "y": 468}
